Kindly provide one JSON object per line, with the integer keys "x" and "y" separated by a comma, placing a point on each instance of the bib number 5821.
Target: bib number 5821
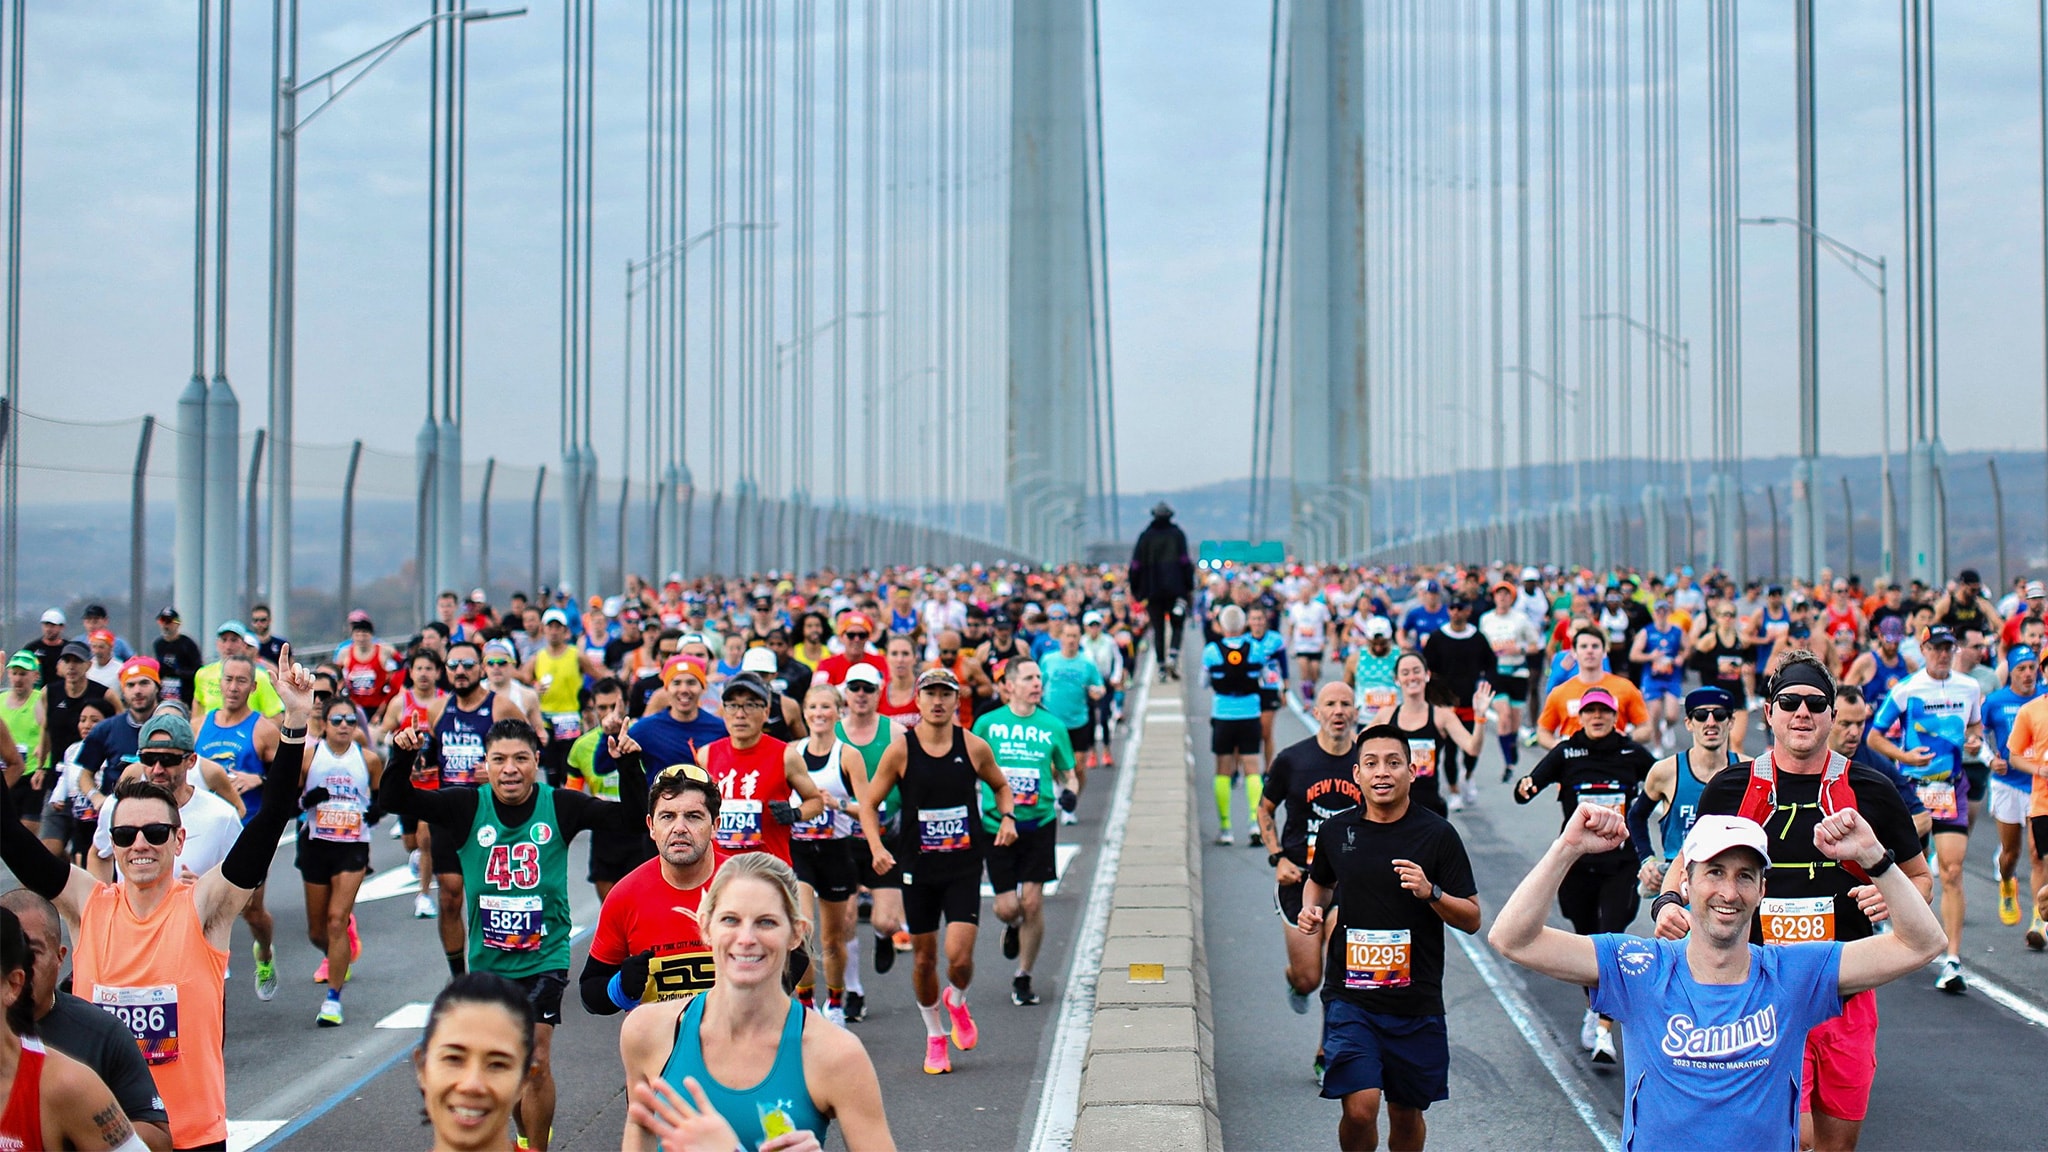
{"x": 513, "y": 866}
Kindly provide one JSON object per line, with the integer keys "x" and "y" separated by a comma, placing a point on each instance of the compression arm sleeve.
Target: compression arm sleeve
{"x": 1639, "y": 826}
{"x": 32, "y": 864}
{"x": 248, "y": 861}
{"x": 596, "y": 983}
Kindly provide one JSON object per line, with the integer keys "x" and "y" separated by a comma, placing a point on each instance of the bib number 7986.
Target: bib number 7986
{"x": 513, "y": 866}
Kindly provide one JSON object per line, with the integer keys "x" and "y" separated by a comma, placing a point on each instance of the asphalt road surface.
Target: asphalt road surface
{"x": 1519, "y": 1078}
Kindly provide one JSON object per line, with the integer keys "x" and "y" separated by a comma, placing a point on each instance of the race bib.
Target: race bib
{"x": 511, "y": 923}
{"x": 1801, "y": 920}
{"x": 150, "y": 1013}
{"x": 1269, "y": 677}
{"x": 1422, "y": 754}
{"x": 461, "y": 753}
{"x": 739, "y": 826}
{"x": 1777, "y": 629}
{"x": 1023, "y": 786}
{"x": 565, "y": 725}
{"x": 337, "y": 822}
{"x": 1618, "y": 801}
{"x": 1939, "y": 798}
{"x": 1376, "y": 958}
{"x": 1378, "y": 698}
{"x": 1729, "y": 667}
{"x": 818, "y": 827}
{"x": 942, "y": 829}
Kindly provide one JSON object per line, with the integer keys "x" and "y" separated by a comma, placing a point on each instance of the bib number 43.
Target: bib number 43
{"x": 513, "y": 866}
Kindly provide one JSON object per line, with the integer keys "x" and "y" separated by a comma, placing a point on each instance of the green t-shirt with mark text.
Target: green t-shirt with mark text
{"x": 1028, "y": 749}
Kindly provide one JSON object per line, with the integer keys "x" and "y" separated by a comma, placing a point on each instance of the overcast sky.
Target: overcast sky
{"x": 106, "y": 331}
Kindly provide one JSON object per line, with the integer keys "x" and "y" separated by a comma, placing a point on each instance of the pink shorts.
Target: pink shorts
{"x": 1841, "y": 1061}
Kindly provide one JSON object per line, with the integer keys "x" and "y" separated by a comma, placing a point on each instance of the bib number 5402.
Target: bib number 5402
{"x": 513, "y": 866}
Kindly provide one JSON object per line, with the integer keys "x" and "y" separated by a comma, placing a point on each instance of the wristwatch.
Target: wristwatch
{"x": 1883, "y": 865}
{"x": 1436, "y": 892}
{"x": 1273, "y": 859}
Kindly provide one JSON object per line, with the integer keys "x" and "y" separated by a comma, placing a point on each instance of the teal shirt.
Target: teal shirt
{"x": 1028, "y": 749}
{"x": 783, "y": 1093}
{"x": 1067, "y": 680}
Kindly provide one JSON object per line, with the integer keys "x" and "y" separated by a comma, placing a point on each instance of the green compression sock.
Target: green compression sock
{"x": 1254, "y": 787}
{"x": 1223, "y": 802}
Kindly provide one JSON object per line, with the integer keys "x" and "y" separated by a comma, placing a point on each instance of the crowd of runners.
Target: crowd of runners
{"x": 791, "y": 781}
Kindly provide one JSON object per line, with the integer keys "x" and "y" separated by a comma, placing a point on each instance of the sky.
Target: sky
{"x": 107, "y": 229}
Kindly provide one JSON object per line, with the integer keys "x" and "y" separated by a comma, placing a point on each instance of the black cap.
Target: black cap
{"x": 168, "y": 613}
{"x": 76, "y": 650}
{"x": 99, "y": 610}
{"x": 1969, "y": 576}
{"x": 751, "y": 684}
{"x": 1939, "y": 634}
{"x": 1708, "y": 697}
{"x": 1001, "y": 621}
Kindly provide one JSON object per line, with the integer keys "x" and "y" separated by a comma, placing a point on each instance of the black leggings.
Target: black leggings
{"x": 1600, "y": 895}
{"x": 1161, "y": 610}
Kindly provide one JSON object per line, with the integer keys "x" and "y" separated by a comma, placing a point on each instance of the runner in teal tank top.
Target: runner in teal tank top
{"x": 799, "y": 1073}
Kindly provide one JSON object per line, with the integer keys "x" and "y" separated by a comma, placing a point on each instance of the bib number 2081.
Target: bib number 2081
{"x": 513, "y": 866}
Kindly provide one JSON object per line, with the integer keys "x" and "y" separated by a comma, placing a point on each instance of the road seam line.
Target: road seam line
{"x": 1518, "y": 1010}
{"x": 1059, "y": 1101}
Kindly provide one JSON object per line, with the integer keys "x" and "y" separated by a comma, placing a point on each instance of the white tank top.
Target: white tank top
{"x": 831, "y": 824}
{"x": 341, "y": 818}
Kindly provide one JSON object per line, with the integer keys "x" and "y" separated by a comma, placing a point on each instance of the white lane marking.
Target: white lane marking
{"x": 2004, "y": 997}
{"x": 1062, "y": 855}
{"x": 1524, "y": 1019}
{"x": 411, "y": 1017}
{"x": 1518, "y": 1010}
{"x": 386, "y": 884}
{"x": 1059, "y": 1101}
{"x": 246, "y": 1134}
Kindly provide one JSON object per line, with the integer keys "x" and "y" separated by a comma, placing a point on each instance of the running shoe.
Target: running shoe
{"x": 836, "y": 1014}
{"x": 1316, "y": 1070}
{"x": 330, "y": 1012}
{"x": 1297, "y": 1000}
{"x": 885, "y": 953}
{"x": 965, "y": 1034}
{"x": 2009, "y": 901}
{"x": 522, "y": 1144}
{"x": 320, "y": 973}
{"x": 398, "y": 830}
{"x": 1455, "y": 802}
{"x": 2037, "y": 934}
{"x": 1950, "y": 980}
{"x": 1589, "y": 1030}
{"x": 1020, "y": 992}
{"x": 1528, "y": 737}
{"x": 856, "y": 1007}
{"x": 355, "y": 942}
{"x": 1603, "y": 1046}
{"x": 412, "y": 864}
{"x": 1068, "y": 818}
{"x": 266, "y": 975}
{"x": 1225, "y": 839}
{"x": 901, "y": 940}
{"x": 937, "y": 1060}
{"x": 423, "y": 907}
{"x": 1010, "y": 942}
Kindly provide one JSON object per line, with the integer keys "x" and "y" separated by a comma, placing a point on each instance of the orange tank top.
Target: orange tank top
{"x": 163, "y": 980}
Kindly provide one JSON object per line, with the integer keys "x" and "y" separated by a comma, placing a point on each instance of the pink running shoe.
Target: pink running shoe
{"x": 937, "y": 1060}
{"x": 355, "y": 942}
{"x": 965, "y": 1034}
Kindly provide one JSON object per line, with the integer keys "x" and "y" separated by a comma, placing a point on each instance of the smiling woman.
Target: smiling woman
{"x": 472, "y": 1061}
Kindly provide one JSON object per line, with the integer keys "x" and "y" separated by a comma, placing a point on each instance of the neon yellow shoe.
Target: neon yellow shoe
{"x": 2009, "y": 901}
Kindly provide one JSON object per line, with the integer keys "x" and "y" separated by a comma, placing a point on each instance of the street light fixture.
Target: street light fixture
{"x": 286, "y": 124}
{"x": 1862, "y": 263}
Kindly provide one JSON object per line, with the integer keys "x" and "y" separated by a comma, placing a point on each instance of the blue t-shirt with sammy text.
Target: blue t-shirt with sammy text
{"x": 1694, "y": 1049}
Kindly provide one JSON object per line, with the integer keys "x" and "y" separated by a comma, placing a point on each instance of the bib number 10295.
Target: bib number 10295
{"x": 513, "y": 866}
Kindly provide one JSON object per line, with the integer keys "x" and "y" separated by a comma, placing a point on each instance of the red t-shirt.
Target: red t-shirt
{"x": 833, "y": 668}
{"x": 748, "y": 781}
{"x": 645, "y": 911}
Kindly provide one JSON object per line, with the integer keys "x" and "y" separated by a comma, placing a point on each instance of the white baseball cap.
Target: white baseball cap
{"x": 53, "y": 616}
{"x": 1713, "y": 835}
{"x": 758, "y": 660}
{"x": 1379, "y": 626}
{"x": 863, "y": 674}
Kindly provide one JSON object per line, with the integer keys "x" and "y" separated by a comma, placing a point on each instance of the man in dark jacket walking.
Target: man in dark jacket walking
{"x": 1162, "y": 576}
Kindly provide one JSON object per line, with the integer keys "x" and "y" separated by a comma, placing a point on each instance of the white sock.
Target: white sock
{"x": 853, "y": 965}
{"x": 934, "y": 1019}
{"x": 959, "y": 995}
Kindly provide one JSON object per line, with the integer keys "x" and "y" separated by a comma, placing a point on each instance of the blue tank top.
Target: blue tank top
{"x": 459, "y": 741}
{"x": 1684, "y": 808}
{"x": 1664, "y": 641}
{"x": 748, "y": 1110}
{"x": 1882, "y": 680}
{"x": 234, "y": 749}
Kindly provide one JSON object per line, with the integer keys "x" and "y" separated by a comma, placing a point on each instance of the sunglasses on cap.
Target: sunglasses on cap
{"x": 161, "y": 759}
{"x": 1708, "y": 715}
{"x": 1813, "y": 702}
{"x": 686, "y": 771}
{"x": 123, "y": 835}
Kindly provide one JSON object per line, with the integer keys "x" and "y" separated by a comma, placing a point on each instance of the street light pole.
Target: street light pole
{"x": 285, "y": 126}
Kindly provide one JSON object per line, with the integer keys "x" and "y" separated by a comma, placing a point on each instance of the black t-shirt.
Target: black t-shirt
{"x": 1310, "y": 786}
{"x": 1395, "y": 936}
{"x": 46, "y": 657}
{"x": 179, "y": 661}
{"x": 1459, "y": 662}
{"x": 1606, "y": 771}
{"x": 1797, "y": 867}
{"x": 97, "y": 1039}
{"x": 616, "y": 651}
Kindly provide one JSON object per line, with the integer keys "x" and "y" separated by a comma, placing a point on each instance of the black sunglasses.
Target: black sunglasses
{"x": 123, "y": 835}
{"x": 341, "y": 720}
{"x": 1705, "y": 715}
{"x": 452, "y": 664}
{"x": 161, "y": 759}
{"x": 1813, "y": 702}
{"x": 859, "y": 686}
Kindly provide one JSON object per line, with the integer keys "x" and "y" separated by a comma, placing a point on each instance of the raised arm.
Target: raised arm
{"x": 227, "y": 886}
{"x": 1519, "y": 930}
{"x": 1916, "y": 936}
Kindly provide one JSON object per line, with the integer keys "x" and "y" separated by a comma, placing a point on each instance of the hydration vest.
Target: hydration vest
{"x": 1238, "y": 675}
{"x": 1760, "y": 796}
